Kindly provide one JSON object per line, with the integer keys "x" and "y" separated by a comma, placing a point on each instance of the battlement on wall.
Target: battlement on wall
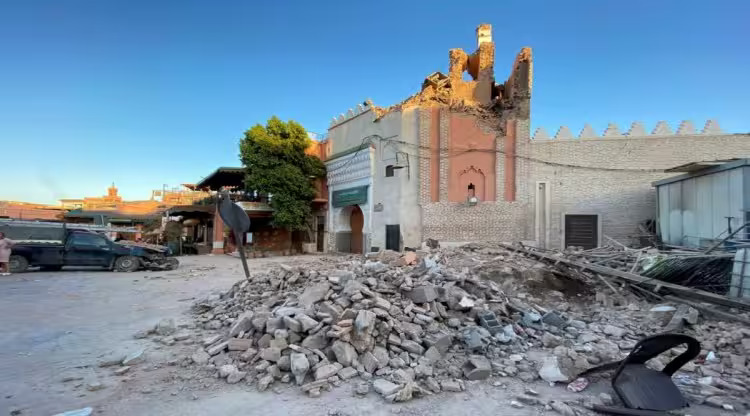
{"x": 366, "y": 106}
{"x": 636, "y": 129}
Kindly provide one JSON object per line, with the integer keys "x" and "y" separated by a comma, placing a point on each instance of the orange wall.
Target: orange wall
{"x": 472, "y": 160}
{"x": 320, "y": 150}
{"x": 26, "y": 211}
{"x": 435, "y": 153}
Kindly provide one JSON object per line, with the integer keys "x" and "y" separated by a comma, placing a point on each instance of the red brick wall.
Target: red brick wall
{"x": 471, "y": 159}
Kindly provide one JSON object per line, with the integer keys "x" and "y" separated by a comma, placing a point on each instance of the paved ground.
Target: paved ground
{"x": 60, "y": 325}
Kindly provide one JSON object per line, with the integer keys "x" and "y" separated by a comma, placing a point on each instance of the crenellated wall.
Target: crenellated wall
{"x": 636, "y": 129}
{"x": 611, "y": 174}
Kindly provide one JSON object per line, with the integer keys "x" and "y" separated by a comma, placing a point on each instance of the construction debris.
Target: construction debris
{"x": 468, "y": 313}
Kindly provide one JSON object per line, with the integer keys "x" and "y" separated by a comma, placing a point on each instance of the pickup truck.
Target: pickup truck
{"x": 86, "y": 248}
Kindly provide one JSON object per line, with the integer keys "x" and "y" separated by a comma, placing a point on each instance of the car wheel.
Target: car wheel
{"x": 172, "y": 263}
{"x": 127, "y": 264}
{"x": 18, "y": 264}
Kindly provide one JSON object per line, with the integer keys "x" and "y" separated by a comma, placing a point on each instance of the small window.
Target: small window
{"x": 89, "y": 240}
{"x": 389, "y": 170}
{"x": 471, "y": 190}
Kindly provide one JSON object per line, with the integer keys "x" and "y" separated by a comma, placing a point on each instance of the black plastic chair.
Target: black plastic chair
{"x": 640, "y": 387}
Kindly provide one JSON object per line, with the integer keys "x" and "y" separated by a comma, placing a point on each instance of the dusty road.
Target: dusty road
{"x": 59, "y": 326}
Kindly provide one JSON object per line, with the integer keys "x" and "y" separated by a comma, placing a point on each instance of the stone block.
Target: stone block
{"x": 239, "y": 344}
{"x": 385, "y": 387}
{"x": 478, "y": 367}
{"x": 423, "y": 294}
{"x": 270, "y": 354}
{"x": 242, "y": 324}
{"x": 327, "y": 370}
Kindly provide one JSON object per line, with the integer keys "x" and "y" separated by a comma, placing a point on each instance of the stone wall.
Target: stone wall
{"x": 612, "y": 175}
{"x": 448, "y": 220}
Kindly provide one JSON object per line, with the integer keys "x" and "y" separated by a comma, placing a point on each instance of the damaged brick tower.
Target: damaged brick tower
{"x": 471, "y": 180}
{"x": 514, "y": 94}
{"x": 452, "y": 173}
{"x": 480, "y": 65}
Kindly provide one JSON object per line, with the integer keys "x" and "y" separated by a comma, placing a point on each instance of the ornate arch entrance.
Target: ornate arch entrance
{"x": 357, "y": 222}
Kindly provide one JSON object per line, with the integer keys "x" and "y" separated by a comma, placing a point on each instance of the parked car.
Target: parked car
{"x": 87, "y": 248}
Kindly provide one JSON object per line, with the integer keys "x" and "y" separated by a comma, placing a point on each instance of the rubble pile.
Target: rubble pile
{"x": 428, "y": 322}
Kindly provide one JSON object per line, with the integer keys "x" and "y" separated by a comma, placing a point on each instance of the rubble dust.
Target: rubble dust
{"x": 457, "y": 316}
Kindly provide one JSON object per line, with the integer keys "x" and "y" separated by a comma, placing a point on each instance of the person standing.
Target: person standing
{"x": 5, "y": 245}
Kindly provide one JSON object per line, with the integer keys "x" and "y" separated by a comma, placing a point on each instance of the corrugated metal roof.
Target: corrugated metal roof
{"x": 223, "y": 176}
{"x": 701, "y": 168}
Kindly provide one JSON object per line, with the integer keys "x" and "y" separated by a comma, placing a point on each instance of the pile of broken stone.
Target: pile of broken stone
{"x": 422, "y": 323}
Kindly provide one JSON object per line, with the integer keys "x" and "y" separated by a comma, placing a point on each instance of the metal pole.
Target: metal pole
{"x": 713, "y": 247}
{"x": 241, "y": 249}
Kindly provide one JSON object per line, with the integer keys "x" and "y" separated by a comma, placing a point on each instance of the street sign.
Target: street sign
{"x": 237, "y": 220}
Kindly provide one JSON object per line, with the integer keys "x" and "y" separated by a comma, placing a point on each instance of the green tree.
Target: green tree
{"x": 276, "y": 164}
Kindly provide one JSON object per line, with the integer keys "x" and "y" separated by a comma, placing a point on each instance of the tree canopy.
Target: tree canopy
{"x": 276, "y": 164}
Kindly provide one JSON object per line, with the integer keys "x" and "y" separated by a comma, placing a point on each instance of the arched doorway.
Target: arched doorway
{"x": 357, "y": 222}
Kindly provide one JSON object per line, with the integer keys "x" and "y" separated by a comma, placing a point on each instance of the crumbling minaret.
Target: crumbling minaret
{"x": 480, "y": 65}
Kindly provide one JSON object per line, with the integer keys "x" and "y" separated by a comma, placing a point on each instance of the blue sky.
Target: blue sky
{"x": 145, "y": 93}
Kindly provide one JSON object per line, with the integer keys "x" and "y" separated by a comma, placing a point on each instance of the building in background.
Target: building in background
{"x": 457, "y": 163}
{"x": 30, "y": 211}
{"x": 709, "y": 201}
{"x": 263, "y": 238}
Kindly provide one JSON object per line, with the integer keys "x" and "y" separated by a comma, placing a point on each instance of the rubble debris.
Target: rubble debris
{"x": 122, "y": 370}
{"x": 385, "y": 387}
{"x": 112, "y": 359}
{"x": 452, "y": 385}
{"x": 94, "y": 385}
{"x": 200, "y": 357}
{"x": 135, "y": 357}
{"x": 551, "y": 371}
{"x": 465, "y": 313}
{"x": 477, "y": 368}
{"x": 578, "y": 385}
{"x": 562, "y": 408}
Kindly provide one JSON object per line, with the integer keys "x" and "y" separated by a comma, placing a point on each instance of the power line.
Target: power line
{"x": 453, "y": 153}
{"x": 567, "y": 165}
{"x": 361, "y": 147}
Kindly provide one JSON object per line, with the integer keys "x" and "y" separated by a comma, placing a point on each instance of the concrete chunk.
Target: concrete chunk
{"x": 412, "y": 347}
{"x": 452, "y": 385}
{"x": 236, "y": 377}
{"x": 365, "y": 321}
{"x": 423, "y": 294}
{"x": 313, "y": 294}
{"x": 299, "y": 366}
{"x": 306, "y": 322}
{"x": 243, "y": 323}
{"x": 385, "y": 387}
{"x": 369, "y": 361}
{"x": 239, "y": 344}
{"x": 345, "y": 352}
{"x": 346, "y": 373}
{"x": 478, "y": 367}
{"x": 217, "y": 348}
{"x": 200, "y": 357}
{"x": 271, "y": 354}
{"x": 292, "y": 324}
{"x": 327, "y": 370}
{"x": 382, "y": 303}
{"x": 316, "y": 341}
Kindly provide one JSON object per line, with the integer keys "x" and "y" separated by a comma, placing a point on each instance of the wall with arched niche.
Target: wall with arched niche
{"x": 471, "y": 160}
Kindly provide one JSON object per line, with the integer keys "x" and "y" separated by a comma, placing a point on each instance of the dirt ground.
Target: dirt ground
{"x": 60, "y": 325}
